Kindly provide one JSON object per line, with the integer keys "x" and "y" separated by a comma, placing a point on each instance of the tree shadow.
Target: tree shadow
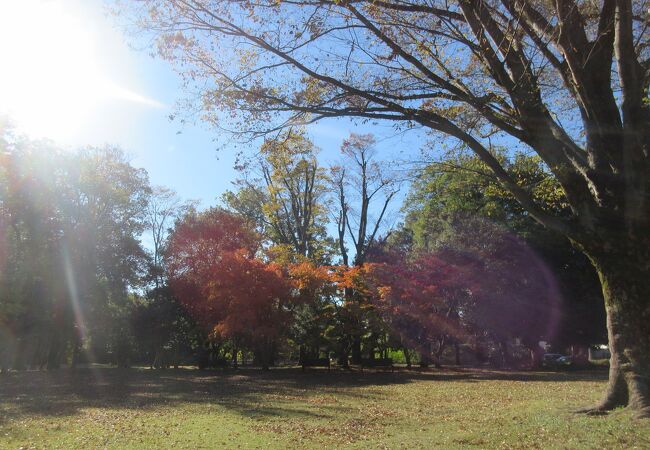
{"x": 288, "y": 391}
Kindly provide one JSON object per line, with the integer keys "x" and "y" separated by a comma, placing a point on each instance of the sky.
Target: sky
{"x": 73, "y": 78}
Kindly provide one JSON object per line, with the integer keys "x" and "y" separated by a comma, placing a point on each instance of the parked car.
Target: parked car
{"x": 548, "y": 357}
{"x": 556, "y": 360}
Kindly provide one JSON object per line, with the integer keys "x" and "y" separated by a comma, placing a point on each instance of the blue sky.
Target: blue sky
{"x": 110, "y": 93}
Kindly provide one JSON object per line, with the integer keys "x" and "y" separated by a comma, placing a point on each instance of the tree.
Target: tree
{"x": 456, "y": 204}
{"x": 313, "y": 308}
{"x": 359, "y": 328}
{"x": 420, "y": 300}
{"x": 70, "y": 223}
{"x": 351, "y": 313}
{"x": 197, "y": 245}
{"x": 358, "y": 185}
{"x": 487, "y": 283}
{"x": 567, "y": 79}
{"x": 159, "y": 322}
{"x": 251, "y": 298}
{"x": 102, "y": 219}
{"x": 163, "y": 208}
{"x": 295, "y": 186}
{"x": 461, "y": 184}
{"x": 286, "y": 199}
{"x": 215, "y": 274}
{"x": 515, "y": 294}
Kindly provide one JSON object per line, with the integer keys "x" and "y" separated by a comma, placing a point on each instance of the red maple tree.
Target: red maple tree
{"x": 215, "y": 273}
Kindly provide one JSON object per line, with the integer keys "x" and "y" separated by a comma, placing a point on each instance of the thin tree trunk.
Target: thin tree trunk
{"x": 442, "y": 345}
{"x": 176, "y": 355}
{"x": 234, "y": 358}
{"x": 425, "y": 355}
{"x": 356, "y": 349}
{"x": 76, "y": 352}
{"x": 425, "y": 359}
{"x": 536, "y": 356}
{"x": 157, "y": 360}
{"x": 343, "y": 360}
{"x": 407, "y": 357}
{"x": 506, "y": 361}
{"x": 356, "y": 336}
{"x": 54, "y": 352}
{"x": 19, "y": 355}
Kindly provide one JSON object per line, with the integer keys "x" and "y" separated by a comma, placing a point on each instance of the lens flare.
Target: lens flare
{"x": 485, "y": 286}
{"x": 75, "y": 303}
{"x": 52, "y": 80}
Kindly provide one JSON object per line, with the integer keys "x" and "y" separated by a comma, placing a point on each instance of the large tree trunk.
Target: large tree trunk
{"x": 625, "y": 279}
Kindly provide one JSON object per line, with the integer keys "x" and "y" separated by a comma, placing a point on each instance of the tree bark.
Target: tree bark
{"x": 536, "y": 356}
{"x": 625, "y": 279}
{"x": 343, "y": 359}
{"x": 76, "y": 353}
{"x": 442, "y": 345}
{"x": 506, "y": 361}
{"x": 54, "y": 353}
{"x": 407, "y": 357}
{"x": 356, "y": 349}
{"x": 425, "y": 360}
{"x": 234, "y": 357}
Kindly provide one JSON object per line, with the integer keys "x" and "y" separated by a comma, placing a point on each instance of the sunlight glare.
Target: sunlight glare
{"x": 51, "y": 79}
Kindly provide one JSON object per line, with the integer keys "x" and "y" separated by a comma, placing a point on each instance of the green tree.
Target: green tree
{"x": 72, "y": 223}
{"x": 284, "y": 195}
{"x": 448, "y": 207}
{"x": 462, "y": 183}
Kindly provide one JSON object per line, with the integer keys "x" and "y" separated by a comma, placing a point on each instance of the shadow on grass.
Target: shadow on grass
{"x": 288, "y": 391}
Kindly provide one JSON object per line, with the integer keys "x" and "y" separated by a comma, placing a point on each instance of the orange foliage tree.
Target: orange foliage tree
{"x": 252, "y": 300}
{"x": 315, "y": 308}
{"x": 355, "y": 314}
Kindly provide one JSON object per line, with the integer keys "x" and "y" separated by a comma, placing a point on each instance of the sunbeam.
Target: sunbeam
{"x": 55, "y": 81}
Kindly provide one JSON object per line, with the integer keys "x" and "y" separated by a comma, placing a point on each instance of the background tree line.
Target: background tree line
{"x": 297, "y": 263}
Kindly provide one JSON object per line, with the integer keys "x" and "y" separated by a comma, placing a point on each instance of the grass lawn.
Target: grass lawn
{"x": 114, "y": 408}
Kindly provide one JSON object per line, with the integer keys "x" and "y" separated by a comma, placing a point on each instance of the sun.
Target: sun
{"x": 51, "y": 79}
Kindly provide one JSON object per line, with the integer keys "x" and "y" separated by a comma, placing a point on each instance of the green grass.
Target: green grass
{"x": 111, "y": 408}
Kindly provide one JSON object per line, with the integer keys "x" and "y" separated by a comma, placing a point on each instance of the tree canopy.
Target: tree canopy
{"x": 566, "y": 79}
